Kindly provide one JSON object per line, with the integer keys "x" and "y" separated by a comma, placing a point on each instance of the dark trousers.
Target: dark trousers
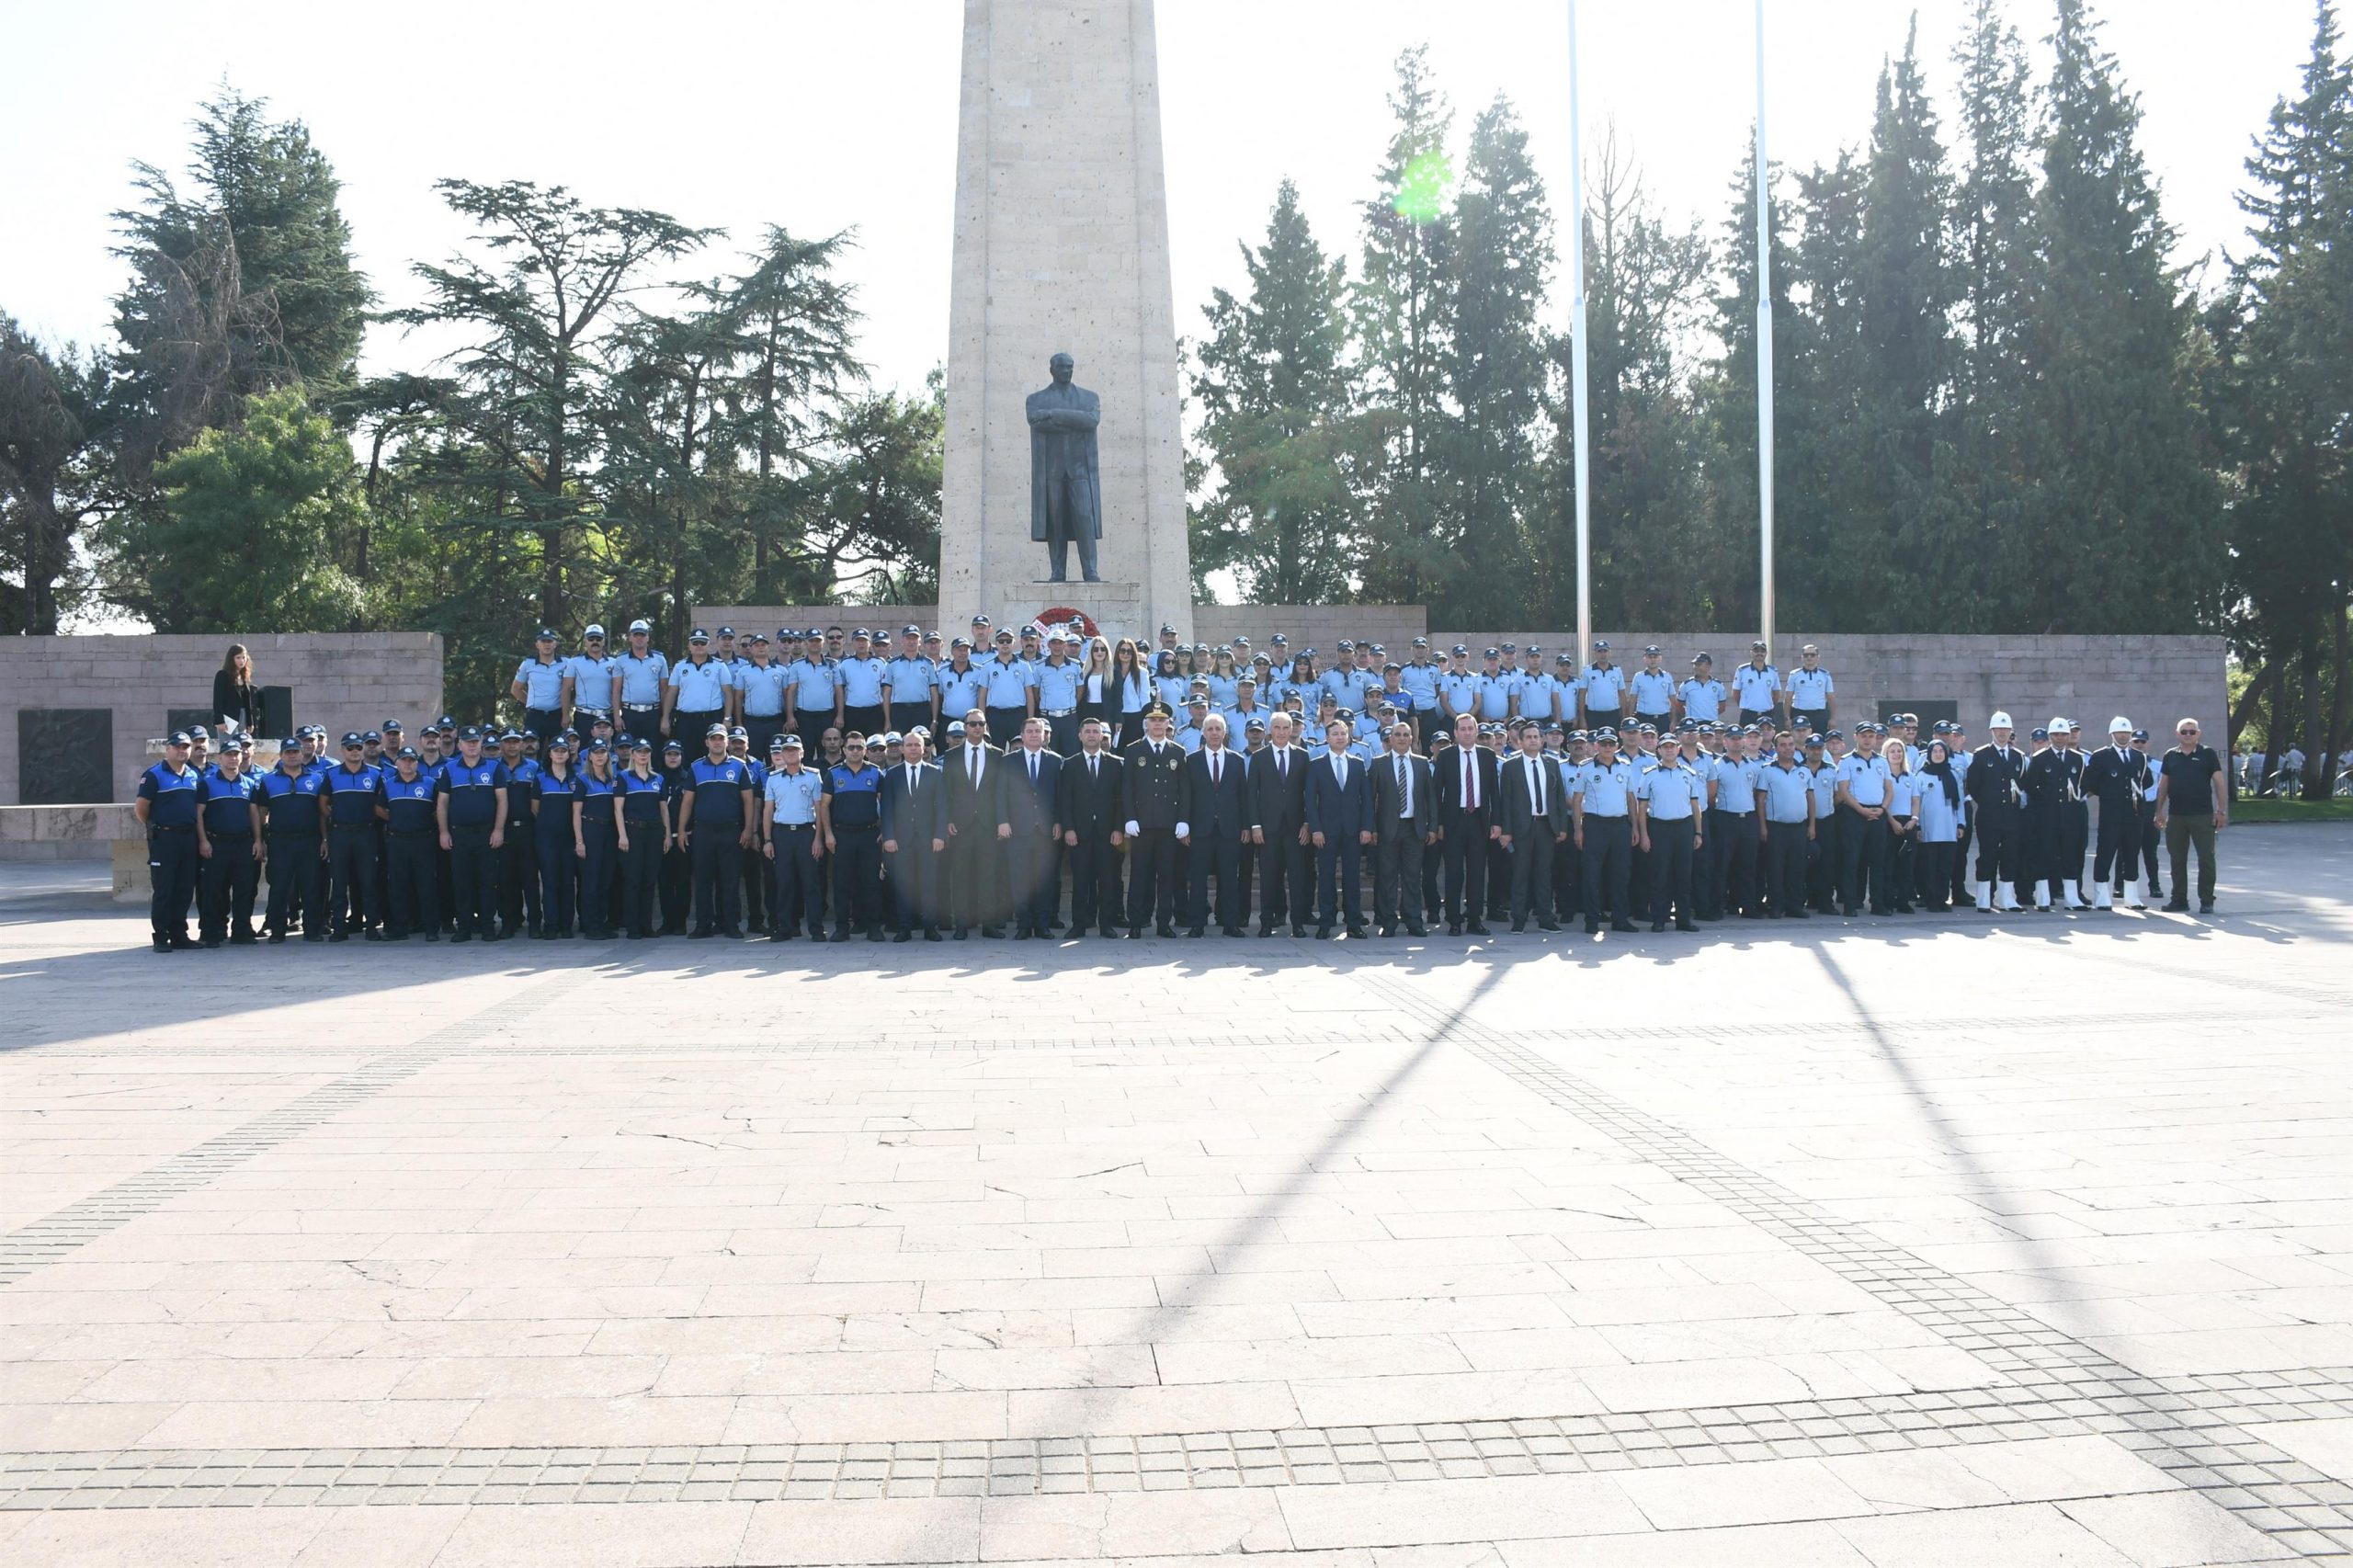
{"x": 857, "y": 878}
{"x": 351, "y": 871}
{"x": 718, "y": 877}
{"x": 1608, "y": 859}
{"x": 1034, "y": 862}
{"x": 1339, "y": 872}
{"x": 602, "y": 840}
{"x": 2117, "y": 859}
{"x": 1734, "y": 848}
{"x": 676, "y": 888}
{"x": 2072, "y": 837}
{"x": 753, "y": 876}
{"x": 1151, "y": 878}
{"x": 171, "y": 871}
{"x": 1061, "y": 732}
{"x": 559, "y": 868}
{"x": 1960, "y": 866}
{"x": 1805, "y": 721}
{"x": 643, "y": 723}
{"x": 1095, "y": 902}
{"x": 297, "y": 883}
{"x": 545, "y": 723}
{"x": 518, "y": 873}
{"x": 225, "y": 886}
{"x": 915, "y": 886}
{"x": 1218, "y": 855}
{"x": 1827, "y": 860}
{"x": 1005, "y": 725}
{"x": 1784, "y": 857}
{"x": 2181, "y": 832}
{"x": 976, "y": 877}
{"x": 641, "y": 880}
{"x": 863, "y": 720}
{"x": 1900, "y": 869}
{"x": 1465, "y": 849}
{"x": 1671, "y": 869}
{"x": 1533, "y": 854}
{"x": 2150, "y": 835}
{"x": 411, "y": 902}
{"x": 797, "y": 880}
{"x": 1286, "y": 895}
{"x": 1998, "y": 845}
{"x": 1397, "y": 877}
{"x": 473, "y": 880}
{"x": 1864, "y": 848}
{"x": 1935, "y": 873}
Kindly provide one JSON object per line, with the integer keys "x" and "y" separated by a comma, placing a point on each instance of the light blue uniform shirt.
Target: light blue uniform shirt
{"x": 763, "y": 689}
{"x": 792, "y": 796}
{"x": 1007, "y": 682}
{"x": 862, "y": 681}
{"x": 1756, "y": 687}
{"x": 1903, "y": 795}
{"x": 912, "y": 678}
{"x": 1606, "y": 790}
{"x": 1460, "y": 690}
{"x": 1605, "y": 690}
{"x": 1865, "y": 778}
{"x": 1702, "y": 700}
{"x": 701, "y": 688}
{"x": 1787, "y": 791}
{"x": 1736, "y": 784}
{"x": 1539, "y": 696}
{"x": 1496, "y": 692}
{"x": 1940, "y": 818}
{"x": 1670, "y": 793}
{"x": 543, "y": 684}
{"x": 1343, "y": 683}
{"x": 1824, "y": 783}
{"x": 642, "y": 679}
{"x": 1810, "y": 690}
{"x": 815, "y": 685}
{"x": 1058, "y": 685}
{"x": 1420, "y": 678}
{"x": 1172, "y": 690}
{"x": 1654, "y": 691}
{"x": 1221, "y": 691}
{"x": 960, "y": 690}
{"x": 594, "y": 680}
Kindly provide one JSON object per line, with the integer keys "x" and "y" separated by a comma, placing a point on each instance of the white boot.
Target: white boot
{"x": 2101, "y": 898}
{"x": 2075, "y": 897}
{"x": 2042, "y": 897}
{"x": 1985, "y": 897}
{"x": 2010, "y": 898}
{"x": 2132, "y": 899}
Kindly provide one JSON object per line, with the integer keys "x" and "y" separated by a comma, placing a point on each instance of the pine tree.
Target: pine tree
{"x": 1402, "y": 304}
{"x": 1495, "y": 368}
{"x": 1278, "y": 432}
{"x": 2127, "y": 539}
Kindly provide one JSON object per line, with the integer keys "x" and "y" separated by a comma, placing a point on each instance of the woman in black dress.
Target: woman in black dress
{"x": 236, "y": 698}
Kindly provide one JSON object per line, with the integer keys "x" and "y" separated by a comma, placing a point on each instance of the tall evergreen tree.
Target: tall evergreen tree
{"x": 2284, "y": 329}
{"x": 2127, "y": 535}
{"x": 1286, "y": 454}
{"x": 53, "y": 474}
{"x": 1404, "y": 309}
{"x": 1496, "y": 367}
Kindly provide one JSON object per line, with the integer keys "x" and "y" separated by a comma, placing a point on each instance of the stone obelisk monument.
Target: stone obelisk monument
{"x": 1062, "y": 247}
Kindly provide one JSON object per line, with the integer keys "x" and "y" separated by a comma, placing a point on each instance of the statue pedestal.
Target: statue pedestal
{"x": 1116, "y": 608}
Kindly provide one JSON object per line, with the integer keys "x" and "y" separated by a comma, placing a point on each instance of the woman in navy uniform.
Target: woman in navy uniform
{"x": 646, "y": 838}
{"x": 554, "y": 798}
{"x": 597, "y": 842}
{"x": 411, "y": 830}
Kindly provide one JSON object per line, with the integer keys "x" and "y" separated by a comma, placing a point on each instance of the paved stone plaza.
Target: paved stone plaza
{"x": 1912, "y": 1242}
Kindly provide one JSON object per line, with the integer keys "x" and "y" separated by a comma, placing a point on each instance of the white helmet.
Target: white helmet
{"x": 2062, "y": 726}
{"x": 2119, "y": 724}
{"x": 2000, "y": 721}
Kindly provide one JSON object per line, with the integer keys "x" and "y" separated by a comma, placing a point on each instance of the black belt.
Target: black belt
{"x": 1606, "y": 816}
{"x": 163, "y": 827}
{"x": 349, "y": 826}
{"x": 420, "y": 832}
{"x": 794, "y": 826}
{"x": 857, "y": 826}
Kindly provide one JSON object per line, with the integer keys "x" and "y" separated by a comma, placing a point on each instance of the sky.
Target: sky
{"x": 822, "y": 116}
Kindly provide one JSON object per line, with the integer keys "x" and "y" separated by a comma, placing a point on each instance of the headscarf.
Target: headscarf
{"x": 1939, "y": 766}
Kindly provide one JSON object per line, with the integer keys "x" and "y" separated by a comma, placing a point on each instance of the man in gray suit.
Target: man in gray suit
{"x": 1535, "y": 818}
{"x": 1405, "y": 823}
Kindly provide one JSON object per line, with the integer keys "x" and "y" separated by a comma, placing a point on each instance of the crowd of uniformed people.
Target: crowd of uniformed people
{"x": 1060, "y": 785}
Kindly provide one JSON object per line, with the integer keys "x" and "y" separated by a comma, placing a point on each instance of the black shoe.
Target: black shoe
{"x": 314, "y": 936}
{"x": 339, "y": 936}
{"x": 1165, "y": 930}
{"x": 1623, "y": 926}
{"x": 433, "y": 936}
{"x": 1686, "y": 926}
{"x": 841, "y": 935}
{"x": 162, "y": 943}
{"x": 2177, "y": 907}
{"x": 242, "y": 938}
{"x": 1548, "y": 924}
{"x": 1417, "y": 930}
{"x": 1593, "y": 929}
{"x": 461, "y": 936}
{"x": 1235, "y": 931}
{"x": 1359, "y": 933}
{"x": 875, "y": 935}
{"x": 1111, "y": 931}
{"x": 1478, "y": 929}
{"x": 1194, "y": 932}
{"x": 371, "y": 935}
{"x": 1389, "y": 931}
{"x": 1323, "y": 933}
{"x": 2207, "y": 907}
{"x": 1266, "y": 931}
{"x": 994, "y": 932}
{"x": 1454, "y": 927}
{"x": 701, "y": 936}
{"x": 1135, "y": 933}
{"x": 904, "y": 937}
{"x": 1658, "y": 925}
{"x": 1299, "y": 933}
{"x": 932, "y": 936}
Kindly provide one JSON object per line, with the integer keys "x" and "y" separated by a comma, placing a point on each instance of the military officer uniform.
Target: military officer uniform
{"x": 1996, "y": 792}
{"x": 1152, "y": 803}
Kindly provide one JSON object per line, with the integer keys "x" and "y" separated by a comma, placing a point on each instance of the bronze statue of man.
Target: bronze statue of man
{"x": 1066, "y": 489}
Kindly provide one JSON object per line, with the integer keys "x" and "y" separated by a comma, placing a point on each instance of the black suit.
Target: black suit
{"x": 975, "y": 854}
{"x": 1217, "y": 813}
{"x": 1465, "y": 827}
{"x": 1152, "y": 796}
{"x": 1090, "y": 811}
{"x": 914, "y": 813}
{"x": 1403, "y": 821}
{"x": 1034, "y": 858}
{"x": 1535, "y": 833}
{"x": 2117, "y": 780}
{"x": 1279, "y": 811}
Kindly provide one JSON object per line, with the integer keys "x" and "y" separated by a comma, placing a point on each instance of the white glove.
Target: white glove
{"x": 1133, "y": 828}
{"x": 1184, "y": 830}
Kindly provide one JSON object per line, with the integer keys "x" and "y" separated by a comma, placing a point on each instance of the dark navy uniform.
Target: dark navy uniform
{"x": 232, "y": 873}
{"x": 644, "y": 812}
{"x": 1152, "y": 796}
{"x": 1995, "y": 783}
{"x": 2057, "y": 825}
{"x": 550, "y": 801}
{"x": 854, "y": 808}
{"x": 2117, "y": 776}
{"x": 352, "y": 795}
{"x": 520, "y": 905}
{"x": 412, "y": 837}
{"x": 171, "y": 796}
{"x": 298, "y": 884}
{"x": 471, "y": 793}
{"x": 717, "y": 789}
{"x": 600, "y": 850}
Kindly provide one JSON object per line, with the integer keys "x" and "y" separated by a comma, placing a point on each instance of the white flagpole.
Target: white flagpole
{"x": 1582, "y": 651}
{"x": 1764, "y": 358}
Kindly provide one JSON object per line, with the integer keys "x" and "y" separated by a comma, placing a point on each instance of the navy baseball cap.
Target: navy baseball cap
{"x": 290, "y": 744}
{"x": 390, "y": 726}
{"x": 351, "y": 741}
{"x": 179, "y": 738}
{"x": 406, "y": 753}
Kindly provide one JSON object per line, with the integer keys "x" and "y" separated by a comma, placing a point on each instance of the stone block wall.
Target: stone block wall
{"x": 344, "y": 681}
